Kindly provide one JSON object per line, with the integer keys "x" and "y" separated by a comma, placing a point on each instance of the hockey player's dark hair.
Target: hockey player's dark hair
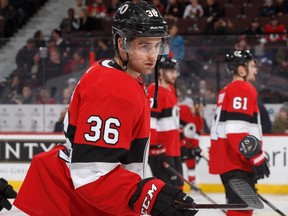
{"x": 235, "y": 58}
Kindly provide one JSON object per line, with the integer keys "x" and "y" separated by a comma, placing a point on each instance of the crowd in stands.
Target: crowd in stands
{"x": 198, "y": 30}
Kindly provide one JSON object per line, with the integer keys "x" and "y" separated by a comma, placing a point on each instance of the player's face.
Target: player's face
{"x": 170, "y": 76}
{"x": 252, "y": 71}
{"x": 143, "y": 53}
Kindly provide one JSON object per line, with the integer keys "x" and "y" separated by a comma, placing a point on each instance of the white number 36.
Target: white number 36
{"x": 107, "y": 130}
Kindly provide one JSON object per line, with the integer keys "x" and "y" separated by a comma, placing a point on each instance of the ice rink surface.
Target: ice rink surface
{"x": 280, "y": 201}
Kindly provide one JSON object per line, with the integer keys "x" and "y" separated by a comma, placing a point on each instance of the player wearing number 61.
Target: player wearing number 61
{"x": 237, "y": 116}
{"x": 100, "y": 169}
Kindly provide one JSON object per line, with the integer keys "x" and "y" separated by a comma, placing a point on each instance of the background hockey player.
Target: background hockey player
{"x": 165, "y": 134}
{"x": 100, "y": 169}
{"x": 237, "y": 117}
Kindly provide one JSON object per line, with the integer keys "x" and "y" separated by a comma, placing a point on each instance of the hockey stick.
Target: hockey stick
{"x": 260, "y": 196}
{"x": 243, "y": 190}
{"x": 271, "y": 205}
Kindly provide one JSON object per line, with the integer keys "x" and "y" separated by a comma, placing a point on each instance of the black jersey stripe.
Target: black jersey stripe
{"x": 226, "y": 116}
{"x": 164, "y": 113}
{"x": 92, "y": 153}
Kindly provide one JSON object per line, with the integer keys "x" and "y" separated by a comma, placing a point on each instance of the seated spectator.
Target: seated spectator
{"x": 268, "y": 8}
{"x": 9, "y": 15}
{"x": 113, "y": 7}
{"x": 59, "y": 125}
{"x": 281, "y": 7}
{"x": 174, "y": 10}
{"x": 219, "y": 26}
{"x": 36, "y": 71}
{"x": 24, "y": 57}
{"x": 69, "y": 24}
{"x": 97, "y": 9}
{"x": 254, "y": 27}
{"x": 72, "y": 82}
{"x": 242, "y": 43}
{"x": 193, "y": 10}
{"x": 54, "y": 65}
{"x": 26, "y": 96}
{"x": 177, "y": 46}
{"x": 43, "y": 97}
{"x": 275, "y": 30}
{"x": 85, "y": 22}
{"x": 159, "y": 6}
{"x": 212, "y": 9}
{"x": 66, "y": 96}
{"x": 280, "y": 124}
{"x": 281, "y": 60}
{"x": 103, "y": 50}
{"x": 76, "y": 63}
{"x": 39, "y": 39}
{"x": 11, "y": 89}
{"x": 61, "y": 44}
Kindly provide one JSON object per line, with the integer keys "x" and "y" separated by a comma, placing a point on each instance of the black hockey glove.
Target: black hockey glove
{"x": 251, "y": 149}
{"x": 184, "y": 153}
{"x": 151, "y": 197}
{"x": 197, "y": 152}
{"x": 165, "y": 202}
{"x": 6, "y": 192}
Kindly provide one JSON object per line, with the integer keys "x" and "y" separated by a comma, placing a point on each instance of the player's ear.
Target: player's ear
{"x": 242, "y": 71}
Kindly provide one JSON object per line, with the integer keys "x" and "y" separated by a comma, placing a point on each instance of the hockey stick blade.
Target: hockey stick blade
{"x": 246, "y": 193}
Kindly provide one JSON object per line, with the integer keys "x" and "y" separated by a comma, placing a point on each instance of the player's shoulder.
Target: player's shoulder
{"x": 240, "y": 87}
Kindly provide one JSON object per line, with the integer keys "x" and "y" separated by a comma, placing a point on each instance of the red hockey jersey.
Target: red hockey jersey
{"x": 107, "y": 129}
{"x": 190, "y": 126}
{"x": 236, "y": 116}
{"x": 165, "y": 120}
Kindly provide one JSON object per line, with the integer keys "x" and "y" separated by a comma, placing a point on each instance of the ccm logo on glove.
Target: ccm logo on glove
{"x": 147, "y": 200}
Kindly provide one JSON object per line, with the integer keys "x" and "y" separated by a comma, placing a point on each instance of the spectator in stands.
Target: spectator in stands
{"x": 281, "y": 60}
{"x": 212, "y": 9}
{"x": 193, "y": 10}
{"x": 254, "y": 27}
{"x": 43, "y": 97}
{"x": 36, "y": 71}
{"x": 59, "y": 126}
{"x": 174, "y": 10}
{"x": 11, "y": 89}
{"x": 160, "y": 6}
{"x": 24, "y": 57}
{"x": 85, "y": 22}
{"x": 66, "y": 96}
{"x": 177, "y": 46}
{"x": 76, "y": 63}
{"x": 268, "y": 8}
{"x": 97, "y": 9}
{"x": 242, "y": 43}
{"x": 39, "y": 39}
{"x": 61, "y": 44}
{"x": 275, "y": 30}
{"x": 266, "y": 123}
{"x": 280, "y": 124}
{"x": 8, "y": 15}
{"x": 281, "y": 7}
{"x": 26, "y": 96}
{"x": 69, "y": 24}
{"x": 219, "y": 26}
{"x": 103, "y": 50}
{"x": 111, "y": 9}
{"x": 54, "y": 65}
{"x": 72, "y": 82}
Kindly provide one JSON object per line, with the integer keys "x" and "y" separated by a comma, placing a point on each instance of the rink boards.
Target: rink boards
{"x": 17, "y": 150}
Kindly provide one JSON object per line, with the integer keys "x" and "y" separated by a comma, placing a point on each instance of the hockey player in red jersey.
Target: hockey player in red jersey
{"x": 99, "y": 171}
{"x": 165, "y": 134}
{"x": 237, "y": 117}
{"x": 191, "y": 124}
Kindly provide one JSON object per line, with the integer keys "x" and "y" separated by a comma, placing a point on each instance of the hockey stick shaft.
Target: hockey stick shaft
{"x": 271, "y": 205}
{"x": 193, "y": 187}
